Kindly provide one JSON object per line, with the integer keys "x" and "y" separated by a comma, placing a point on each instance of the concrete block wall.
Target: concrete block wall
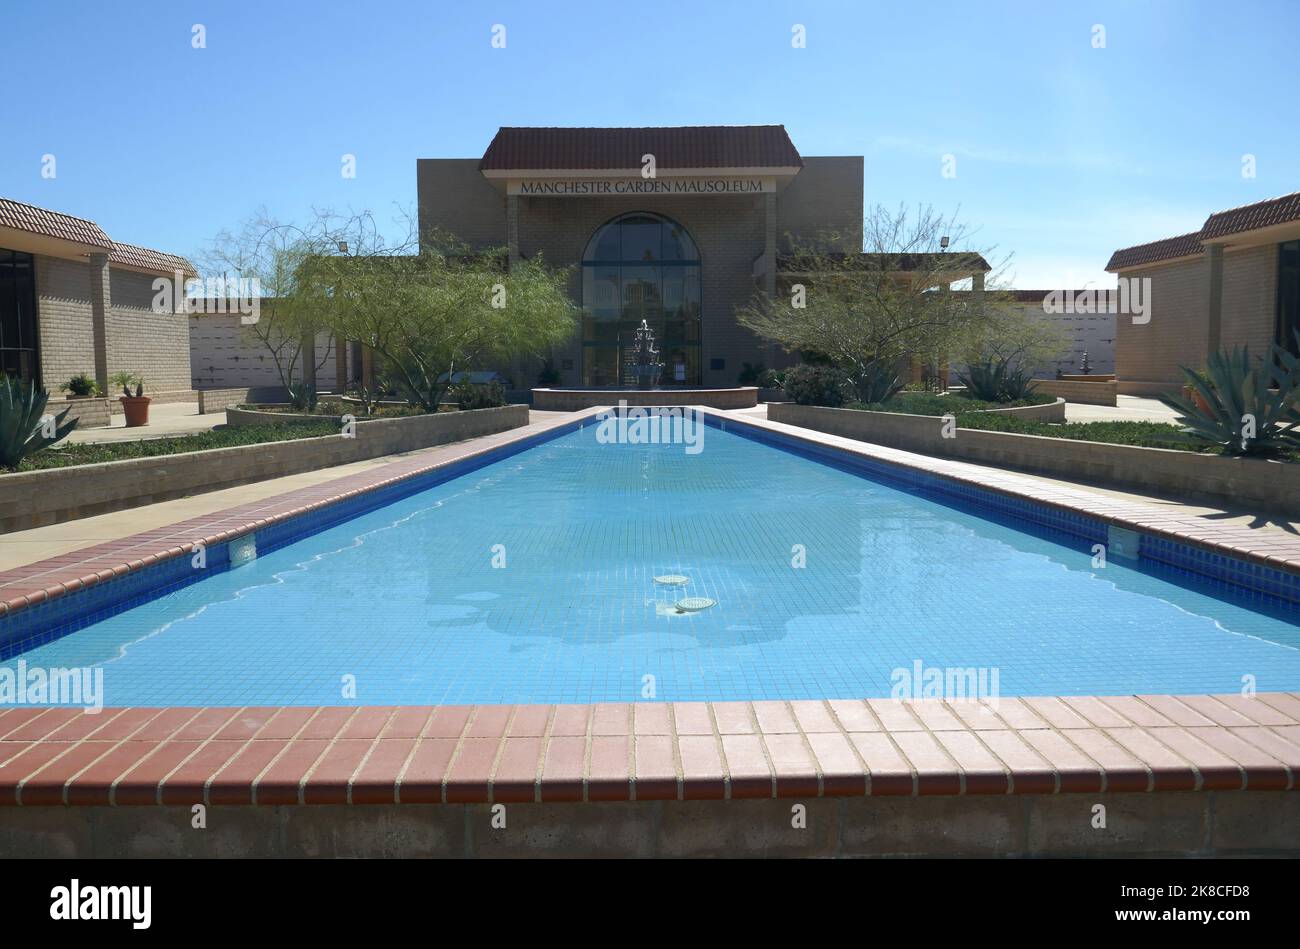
{"x": 454, "y": 196}
{"x": 1249, "y": 298}
{"x": 64, "y": 320}
{"x": 155, "y": 346}
{"x": 1177, "y": 333}
{"x": 225, "y": 354}
{"x": 825, "y": 195}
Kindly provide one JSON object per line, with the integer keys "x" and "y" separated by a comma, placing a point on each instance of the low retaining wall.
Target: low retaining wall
{"x": 1088, "y": 393}
{"x": 1240, "y": 482}
{"x": 91, "y": 412}
{"x": 574, "y": 400}
{"x": 218, "y": 400}
{"x": 1148, "y": 389}
{"x": 37, "y": 498}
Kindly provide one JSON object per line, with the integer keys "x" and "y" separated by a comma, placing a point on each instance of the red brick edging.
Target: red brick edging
{"x": 647, "y": 751}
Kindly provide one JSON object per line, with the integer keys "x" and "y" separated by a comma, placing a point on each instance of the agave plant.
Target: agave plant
{"x": 24, "y": 426}
{"x": 1251, "y": 407}
{"x": 995, "y": 380}
{"x": 302, "y": 396}
{"x": 878, "y": 381}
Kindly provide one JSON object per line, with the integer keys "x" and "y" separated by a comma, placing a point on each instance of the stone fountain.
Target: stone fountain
{"x": 648, "y": 367}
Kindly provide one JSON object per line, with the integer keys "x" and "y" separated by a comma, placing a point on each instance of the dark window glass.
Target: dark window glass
{"x": 17, "y": 315}
{"x": 1288, "y": 295}
{"x": 623, "y": 283}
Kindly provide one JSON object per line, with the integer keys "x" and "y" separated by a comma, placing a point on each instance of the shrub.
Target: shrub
{"x": 772, "y": 379}
{"x": 302, "y": 396}
{"x": 816, "y": 385}
{"x": 1250, "y": 407}
{"x": 469, "y": 396}
{"x": 995, "y": 380}
{"x": 24, "y": 427}
{"x": 549, "y": 376}
{"x": 878, "y": 381}
{"x": 80, "y": 385}
{"x": 750, "y": 374}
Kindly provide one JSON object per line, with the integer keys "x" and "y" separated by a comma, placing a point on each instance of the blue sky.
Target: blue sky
{"x": 1064, "y": 151}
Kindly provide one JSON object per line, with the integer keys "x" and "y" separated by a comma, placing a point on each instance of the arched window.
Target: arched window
{"x": 640, "y": 266}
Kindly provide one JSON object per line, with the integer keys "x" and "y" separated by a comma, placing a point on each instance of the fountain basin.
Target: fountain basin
{"x": 572, "y": 400}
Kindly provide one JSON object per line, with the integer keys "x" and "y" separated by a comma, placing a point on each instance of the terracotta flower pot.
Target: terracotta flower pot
{"x": 136, "y": 409}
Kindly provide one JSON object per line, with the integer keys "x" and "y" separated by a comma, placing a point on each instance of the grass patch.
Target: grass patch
{"x": 1141, "y": 434}
{"x": 72, "y": 455}
{"x": 929, "y": 403}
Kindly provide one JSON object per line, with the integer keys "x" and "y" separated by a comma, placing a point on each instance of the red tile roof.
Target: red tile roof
{"x": 129, "y": 255}
{"x": 64, "y": 227}
{"x": 1185, "y": 245}
{"x": 1252, "y": 217}
{"x": 701, "y": 146}
{"x": 1248, "y": 217}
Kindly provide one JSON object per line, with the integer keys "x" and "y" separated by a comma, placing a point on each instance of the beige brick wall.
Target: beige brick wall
{"x": 1177, "y": 332}
{"x": 63, "y": 320}
{"x": 825, "y": 195}
{"x": 455, "y": 196}
{"x": 727, "y": 230}
{"x": 156, "y": 346}
{"x": 1249, "y": 297}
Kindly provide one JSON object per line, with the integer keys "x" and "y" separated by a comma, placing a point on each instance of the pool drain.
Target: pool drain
{"x": 672, "y": 580}
{"x": 693, "y": 604}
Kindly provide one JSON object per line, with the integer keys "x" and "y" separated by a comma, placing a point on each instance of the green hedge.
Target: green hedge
{"x": 1143, "y": 434}
{"x": 927, "y": 403}
{"x": 76, "y": 454}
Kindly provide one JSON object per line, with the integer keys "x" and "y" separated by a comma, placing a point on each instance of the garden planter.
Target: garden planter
{"x": 136, "y": 409}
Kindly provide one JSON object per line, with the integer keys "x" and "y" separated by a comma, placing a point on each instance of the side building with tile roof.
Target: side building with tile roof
{"x": 72, "y": 300}
{"x": 1236, "y": 281}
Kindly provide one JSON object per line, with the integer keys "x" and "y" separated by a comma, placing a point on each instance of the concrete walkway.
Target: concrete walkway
{"x": 1130, "y": 408}
{"x": 168, "y": 418}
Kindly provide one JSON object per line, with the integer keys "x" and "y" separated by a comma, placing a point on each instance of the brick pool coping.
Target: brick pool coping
{"x": 647, "y": 751}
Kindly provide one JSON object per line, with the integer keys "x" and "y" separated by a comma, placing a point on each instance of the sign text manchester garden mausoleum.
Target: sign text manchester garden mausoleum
{"x": 617, "y": 186}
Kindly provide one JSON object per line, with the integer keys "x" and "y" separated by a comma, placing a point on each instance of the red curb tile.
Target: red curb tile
{"x": 935, "y": 771}
{"x": 204, "y": 725}
{"x": 408, "y": 721}
{"x": 814, "y": 717}
{"x": 1262, "y": 771}
{"x": 165, "y": 724}
{"x": 1136, "y": 712}
{"x": 1174, "y": 710}
{"x": 1217, "y": 771}
{"x": 11, "y": 719}
{"x": 562, "y": 772}
{"x": 570, "y": 721}
{"x": 1097, "y": 712}
{"x": 376, "y": 781}
{"x": 421, "y": 783}
{"x": 1075, "y": 771}
{"x": 281, "y": 782}
{"x": 12, "y": 749}
{"x": 234, "y": 783}
{"x": 188, "y": 784}
{"x": 935, "y": 715}
{"x": 794, "y": 766}
{"x": 1030, "y": 772}
{"x": 842, "y": 773}
{"x": 607, "y": 719}
{"x": 140, "y": 784}
{"x": 39, "y": 726}
{"x": 20, "y": 766}
{"x": 692, "y": 718}
{"x": 1288, "y": 705}
{"x": 467, "y": 779}
{"x": 246, "y": 723}
{"x": 1054, "y": 711}
{"x": 46, "y": 785}
{"x": 701, "y": 768}
{"x": 747, "y": 766}
{"x": 608, "y": 777}
{"x": 894, "y": 716}
{"x": 775, "y": 718}
{"x": 733, "y": 718}
{"x": 1122, "y": 771}
{"x": 328, "y": 723}
{"x": 489, "y": 721}
{"x": 369, "y": 722}
{"x": 981, "y": 772}
{"x": 287, "y": 723}
{"x": 448, "y": 721}
{"x": 530, "y": 721}
{"x": 84, "y": 725}
{"x": 1254, "y": 709}
{"x": 853, "y": 715}
{"x": 1169, "y": 772}
{"x": 890, "y": 773}
{"x": 1215, "y": 710}
{"x": 655, "y": 767}
{"x": 329, "y": 779}
{"x": 651, "y": 719}
{"x": 515, "y": 780}
{"x": 93, "y": 787}
{"x": 977, "y": 716}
